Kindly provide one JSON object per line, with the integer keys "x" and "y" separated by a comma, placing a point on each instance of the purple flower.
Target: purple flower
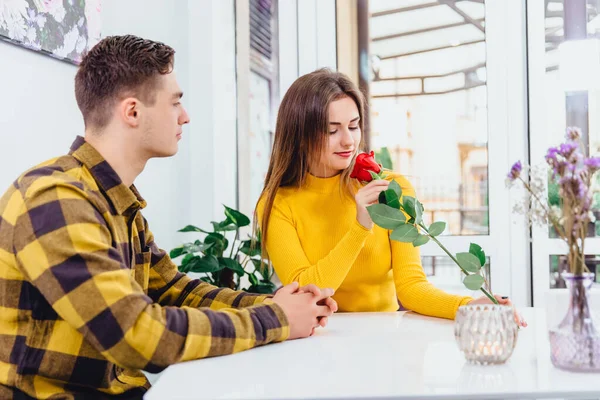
{"x": 515, "y": 171}
{"x": 573, "y": 133}
{"x": 551, "y": 156}
{"x": 593, "y": 163}
{"x": 566, "y": 149}
{"x": 573, "y": 184}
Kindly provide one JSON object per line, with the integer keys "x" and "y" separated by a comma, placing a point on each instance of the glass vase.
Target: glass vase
{"x": 574, "y": 343}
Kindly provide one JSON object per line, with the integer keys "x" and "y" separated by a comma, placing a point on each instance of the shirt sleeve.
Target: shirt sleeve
{"x": 170, "y": 287}
{"x": 65, "y": 249}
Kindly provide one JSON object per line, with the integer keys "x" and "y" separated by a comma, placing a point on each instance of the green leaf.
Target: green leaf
{"x": 262, "y": 267}
{"x": 192, "y": 228}
{"x": 389, "y": 198}
{"x": 189, "y": 248}
{"x": 421, "y": 240}
{"x": 468, "y": 262}
{"x": 219, "y": 242}
{"x": 262, "y": 288}
{"x": 409, "y": 206}
{"x": 419, "y": 210}
{"x": 176, "y": 252}
{"x": 437, "y": 228}
{"x": 406, "y": 233}
{"x": 374, "y": 176}
{"x": 250, "y": 251}
{"x": 384, "y": 157}
{"x": 236, "y": 217}
{"x": 207, "y": 263}
{"x": 233, "y": 265}
{"x": 478, "y": 252}
{"x": 253, "y": 279}
{"x": 473, "y": 281}
{"x": 396, "y": 188}
{"x": 386, "y": 216}
{"x": 187, "y": 259}
{"x": 223, "y": 226}
{"x": 187, "y": 262}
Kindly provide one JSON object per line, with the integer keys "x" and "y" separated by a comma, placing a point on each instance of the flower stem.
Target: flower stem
{"x": 489, "y": 296}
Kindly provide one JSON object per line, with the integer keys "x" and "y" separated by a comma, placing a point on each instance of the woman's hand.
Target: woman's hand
{"x": 503, "y": 300}
{"x": 367, "y": 196}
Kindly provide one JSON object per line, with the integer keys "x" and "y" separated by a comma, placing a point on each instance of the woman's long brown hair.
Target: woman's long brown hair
{"x": 301, "y": 135}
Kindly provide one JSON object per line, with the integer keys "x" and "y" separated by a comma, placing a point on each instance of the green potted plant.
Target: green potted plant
{"x": 223, "y": 262}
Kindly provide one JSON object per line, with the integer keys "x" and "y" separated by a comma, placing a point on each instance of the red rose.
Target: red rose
{"x": 365, "y": 162}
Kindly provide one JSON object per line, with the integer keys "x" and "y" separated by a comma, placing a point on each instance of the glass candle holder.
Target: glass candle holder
{"x": 486, "y": 333}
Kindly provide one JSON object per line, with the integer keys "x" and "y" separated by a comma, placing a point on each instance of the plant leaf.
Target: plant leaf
{"x": 437, "y": 228}
{"x": 408, "y": 204}
{"x": 473, "y": 281}
{"x": 262, "y": 288}
{"x": 176, "y": 252}
{"x": 233, "y": 265}
{"x": 386, "y": 216}
{"x": 262, "y": 267}
{"x": 189, "y": 248}
{"x": 236, "y": 217}
{"x": 374, "y": 176}
{"x": 421, "y": 240}
{"x": 187, "y": 259}
{"x": 395, "y": 187}
{"x": 253, "y": 279}
{"x": 478, "y": 252}
{"x": 468, "y": 261}
{"x": 248, "y": 250}
{"x": 384, "y": 157}
{"x": 419, "y": 211}
{"x": 405, "y": 233}
{"x": 219, "y": 242}
{"x": 192, "y": 228}
{"x": 207, "y": 263}
{"x": 391, "y": 198}
{"x": 223, "y": 226}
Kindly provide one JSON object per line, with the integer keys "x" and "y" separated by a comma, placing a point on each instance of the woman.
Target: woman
{"x": 313, "y": 217}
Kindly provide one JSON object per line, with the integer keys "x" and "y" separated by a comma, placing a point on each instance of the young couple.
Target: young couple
{"x": 88, "y": 299}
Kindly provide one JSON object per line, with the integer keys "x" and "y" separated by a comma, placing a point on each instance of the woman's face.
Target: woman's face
{"x": 344, "y": 139}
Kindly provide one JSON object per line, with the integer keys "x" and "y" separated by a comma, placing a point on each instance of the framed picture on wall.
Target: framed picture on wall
{"x": 63, "y": 29}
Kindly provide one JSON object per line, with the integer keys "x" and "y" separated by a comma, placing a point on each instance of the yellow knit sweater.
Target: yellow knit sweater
{"x": 314, "y": 237}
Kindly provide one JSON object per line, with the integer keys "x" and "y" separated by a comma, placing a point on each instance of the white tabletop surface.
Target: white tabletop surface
{"x": 383, "y": 356}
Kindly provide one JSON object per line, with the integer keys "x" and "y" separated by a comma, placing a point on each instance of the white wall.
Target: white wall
{"x": 38, "y": 104}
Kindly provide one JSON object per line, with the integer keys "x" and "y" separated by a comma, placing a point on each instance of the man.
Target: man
{"x": 87, "y": 299}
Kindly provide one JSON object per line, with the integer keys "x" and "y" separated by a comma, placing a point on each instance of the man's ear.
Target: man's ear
{"x": 129, "y": 111}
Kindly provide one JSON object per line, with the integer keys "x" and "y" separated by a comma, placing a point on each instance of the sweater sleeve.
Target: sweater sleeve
{"x": 290, "y": 261}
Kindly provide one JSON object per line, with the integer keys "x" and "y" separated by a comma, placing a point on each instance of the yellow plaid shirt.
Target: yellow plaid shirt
{"x": 87, "y": 299}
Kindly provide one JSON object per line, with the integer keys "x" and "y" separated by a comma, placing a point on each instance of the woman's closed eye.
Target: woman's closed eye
{"x": 352, "y": 128}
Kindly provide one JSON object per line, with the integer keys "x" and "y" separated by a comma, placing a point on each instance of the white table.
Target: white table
{"x": 382, "y": 356}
